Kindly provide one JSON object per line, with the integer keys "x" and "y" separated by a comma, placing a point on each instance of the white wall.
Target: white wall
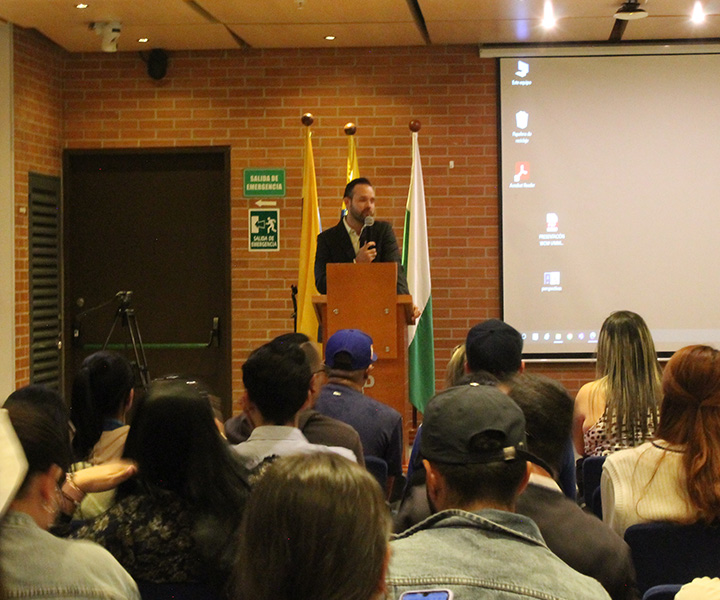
{"x": 7, "y": 216}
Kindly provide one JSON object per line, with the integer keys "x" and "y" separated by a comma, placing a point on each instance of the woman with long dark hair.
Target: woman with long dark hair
{"x": 619, "y": 409}
{"x": 176, "y": 520}
{"x": 676, "y": 476}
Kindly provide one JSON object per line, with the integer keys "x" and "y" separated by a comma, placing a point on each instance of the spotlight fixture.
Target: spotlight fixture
{"x": 81, "y": 5}
{"x": 329, "y": 38}
{"x": 698, "y": 14}
{"x": 143, "y": 40}
{"x": 630, "y": 11}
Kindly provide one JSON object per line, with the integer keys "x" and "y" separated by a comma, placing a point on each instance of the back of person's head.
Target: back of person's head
{"x": 495, "y": 347}
{"x": 315, "y": 526}
{"x": 690, "y": 416}
{"x": 101, "y": 390}
{"x": 455, "y": 369}
{"x": 277, "y": 380}
{"x": 350, "y": 187}
{"x": 43, "y": 442}
{"x": 293, "y": 337}
{"x": 474, "y": 435}
{"x": 44, "y": 397}
{"x": 548, "y": 410}
{"x": 178, "y": 448}
{"x": 626, "y": 357}
{"x": 349, "y": 353}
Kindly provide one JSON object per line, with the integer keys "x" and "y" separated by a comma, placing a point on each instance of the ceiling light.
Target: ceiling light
{"x": 81, "y": 5}
{"x": 630, "y": 11}
{"x": 329, "y": 38}
{"x": 143, "y": 40}
{"x": 548, "y": 20}
{"x": 698, "y": 14}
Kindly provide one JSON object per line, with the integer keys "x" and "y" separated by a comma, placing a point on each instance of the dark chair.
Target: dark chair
{"x": 591, "y": 472}
{"x": 662, "y": 592}
{"x": 668, "y": 553}
{"x": 176, "y": 591}
{"x": 379, "y": 469}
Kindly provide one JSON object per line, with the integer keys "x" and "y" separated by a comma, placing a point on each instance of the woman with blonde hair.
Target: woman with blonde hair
{"x": 619, "y": 409}
{"x": 674, "y": 477}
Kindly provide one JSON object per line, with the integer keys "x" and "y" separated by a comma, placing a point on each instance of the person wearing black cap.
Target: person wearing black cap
{"x": 495, "y": 347}
{"x": 476, "y": 457}
{"x": 349, "y": 357}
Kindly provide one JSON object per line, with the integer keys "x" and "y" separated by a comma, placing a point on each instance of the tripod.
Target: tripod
{"x": 125, "y": 315}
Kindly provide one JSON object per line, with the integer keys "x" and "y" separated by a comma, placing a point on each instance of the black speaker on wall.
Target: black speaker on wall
{"x": 157, "y": 64}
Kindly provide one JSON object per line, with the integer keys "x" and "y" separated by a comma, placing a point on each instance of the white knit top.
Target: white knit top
{"x": 643, "y": 484}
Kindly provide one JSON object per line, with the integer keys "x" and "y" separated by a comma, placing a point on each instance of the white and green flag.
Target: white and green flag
{"x": 416, "y": 260}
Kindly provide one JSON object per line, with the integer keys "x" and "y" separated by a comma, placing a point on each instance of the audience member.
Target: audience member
{"x": 674, "y": 477}
{"x": 474, "y": 448}
{"x": 495, "y": 347}
{"x": 277, "y": 386}
{"x": 177, "y": 520}
{"x": 315, "y": 526}
{"x": 455, "y": 369}
{"x": 579, "y": 538}
{"x": 316, "y": 427}
{"x": 349, "y": 357}
{"x": 33, "y": 562}
{"x": 619, "y": 409}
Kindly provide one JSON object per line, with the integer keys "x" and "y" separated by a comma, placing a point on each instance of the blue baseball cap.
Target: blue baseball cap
{"x": 349, "y": 350}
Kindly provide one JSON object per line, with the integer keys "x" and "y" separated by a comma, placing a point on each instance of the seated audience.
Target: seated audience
{"x": 277, "y": 386}
{"x": 315, "y": 527}
{"x": 674, "y": 477}
{"x": 33, "y": 562}
{"x": 176, "y": 520}
{"x": 579, "y": 538}
{"x": 619, "y": 409}
{"x": 475, "y": 455}
{"x": 349, "y": 357}
{"x": 316, "y": 427}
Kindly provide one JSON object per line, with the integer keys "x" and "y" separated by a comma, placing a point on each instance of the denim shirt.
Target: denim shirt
{"x": 37, "y": 565}
{"x": 490, "y": 554}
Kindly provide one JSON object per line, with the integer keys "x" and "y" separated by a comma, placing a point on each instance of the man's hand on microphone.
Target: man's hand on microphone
{"x": 367, "y": 253}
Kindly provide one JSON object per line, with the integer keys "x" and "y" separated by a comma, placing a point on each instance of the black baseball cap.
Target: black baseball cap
{"x": 494, "y": 346}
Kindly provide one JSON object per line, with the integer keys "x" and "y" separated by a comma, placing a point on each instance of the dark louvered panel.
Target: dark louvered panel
{"x": 45, "y": 309}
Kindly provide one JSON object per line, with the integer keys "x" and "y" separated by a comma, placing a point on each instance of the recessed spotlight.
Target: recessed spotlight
{"x": 548, "y": 20}
{"x": 329, "y": 38}
{"x": 81, "y": 5}
{"x": 143, "y": 40}
{"x": 698, "y": 14}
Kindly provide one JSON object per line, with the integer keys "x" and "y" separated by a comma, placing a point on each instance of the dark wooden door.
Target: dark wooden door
{"x": 156, "y": 223}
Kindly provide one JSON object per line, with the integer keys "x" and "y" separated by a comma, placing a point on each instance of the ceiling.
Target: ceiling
{"x": 218, "y": 24}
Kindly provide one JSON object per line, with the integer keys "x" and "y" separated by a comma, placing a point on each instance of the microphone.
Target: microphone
{"x": 365, "y": 236}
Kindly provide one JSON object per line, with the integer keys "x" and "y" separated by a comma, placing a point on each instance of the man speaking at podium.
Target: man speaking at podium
{"x": 358, "y": 237}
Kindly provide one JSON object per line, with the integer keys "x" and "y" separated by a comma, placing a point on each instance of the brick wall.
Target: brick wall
{"x": 253, "y": 101}
{"x": 38, "y": 124}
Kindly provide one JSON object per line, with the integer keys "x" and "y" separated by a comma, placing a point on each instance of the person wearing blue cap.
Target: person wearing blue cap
{"x": 349, "y": 357}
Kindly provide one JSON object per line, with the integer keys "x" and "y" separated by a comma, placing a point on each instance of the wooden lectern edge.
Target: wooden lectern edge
{"x": 404, "y": 300}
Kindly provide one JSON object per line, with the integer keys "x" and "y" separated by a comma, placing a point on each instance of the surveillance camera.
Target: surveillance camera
{"x": 110, "y": 33}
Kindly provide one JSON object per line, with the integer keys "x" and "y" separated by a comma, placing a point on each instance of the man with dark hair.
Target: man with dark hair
{"x": 357, "y": 237}
{"x": 277, "y": 385}
{"x": 495, "y": 347}
{"x": 316, "y": 427}
{"x": 476, "y": 461}
{"x": 582, "y": 540}
{"x": 349, "y": 356}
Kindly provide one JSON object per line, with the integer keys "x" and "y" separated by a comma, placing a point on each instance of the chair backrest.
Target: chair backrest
{"x": 665, "y": 553}
{"x": 591, "y": 472}
{"x": 378, "y": 468}
{"x": 176, "y": 591}
{"x": 662, "y": 592}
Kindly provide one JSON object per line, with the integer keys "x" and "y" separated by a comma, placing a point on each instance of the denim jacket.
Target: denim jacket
{"x": 37, "y": 565}
{"x": 490, "y": 554}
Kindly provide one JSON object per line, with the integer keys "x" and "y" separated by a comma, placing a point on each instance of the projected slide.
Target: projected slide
{"x": 610, "y": 190}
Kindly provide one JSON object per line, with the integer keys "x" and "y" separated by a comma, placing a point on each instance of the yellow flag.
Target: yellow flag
{"x": 353, "y": 170}
{"x": 306, "y": 320}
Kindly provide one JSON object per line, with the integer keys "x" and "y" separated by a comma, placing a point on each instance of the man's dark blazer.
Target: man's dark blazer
{"x": 334, "y": 246}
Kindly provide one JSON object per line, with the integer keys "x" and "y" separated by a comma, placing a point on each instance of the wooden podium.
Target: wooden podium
{"x": 363, "y": 296}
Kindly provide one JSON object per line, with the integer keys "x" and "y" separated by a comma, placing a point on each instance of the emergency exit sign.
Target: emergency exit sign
{"x": 264, "y": 182}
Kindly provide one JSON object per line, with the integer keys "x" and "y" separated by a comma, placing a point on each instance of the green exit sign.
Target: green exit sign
{"x": 264, "y": 182}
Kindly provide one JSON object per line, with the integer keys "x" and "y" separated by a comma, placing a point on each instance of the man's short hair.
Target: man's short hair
{"x": 350, "y": 187}
{"x": 277, "y": 380}
{"x": 496, "y": 347}
{"x": 548, "y": 410}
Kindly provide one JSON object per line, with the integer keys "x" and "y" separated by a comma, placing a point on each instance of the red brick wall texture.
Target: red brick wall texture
{"x": 252, "y": 101}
